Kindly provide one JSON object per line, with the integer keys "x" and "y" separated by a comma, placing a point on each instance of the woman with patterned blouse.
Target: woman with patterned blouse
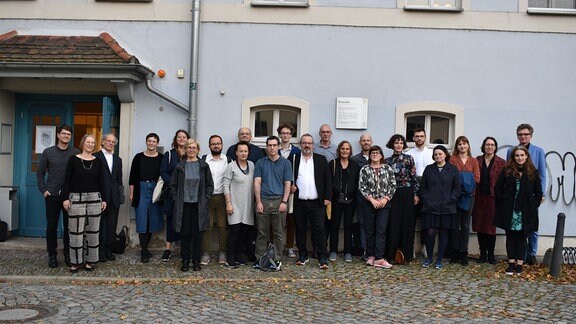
{"x": 377, "y": 185}
{"x": 401, "y": 228}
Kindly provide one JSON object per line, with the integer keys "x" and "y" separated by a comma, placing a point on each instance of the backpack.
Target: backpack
{"x": 267, "y": 262}
{"x": 120, "y": 241}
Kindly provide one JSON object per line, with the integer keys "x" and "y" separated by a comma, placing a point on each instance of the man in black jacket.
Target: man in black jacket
{"x": 113, "y": 195}
{"x": 313, "y": 190}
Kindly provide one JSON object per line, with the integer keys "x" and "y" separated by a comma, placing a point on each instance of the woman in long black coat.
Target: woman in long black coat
{"x": 518, "y": 195}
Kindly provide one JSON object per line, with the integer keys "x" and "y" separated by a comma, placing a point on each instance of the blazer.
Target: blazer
{"x": 440, "y": 191}
{"x": 205, "y": 190}
{"x": 112, "y": 180}
{"x": 322, "y": 176}
{"x": 527, "y": 201}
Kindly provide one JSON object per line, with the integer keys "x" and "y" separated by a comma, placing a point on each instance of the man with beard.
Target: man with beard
{"x": 217, "y": 204}
{"x": 361, "y": 159}
{"x": 313, "y": 191}
{"x": 53, "y": 162}
{"x": 422, "y": 157}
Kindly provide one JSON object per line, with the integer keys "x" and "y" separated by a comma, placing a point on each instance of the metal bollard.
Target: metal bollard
{"x": 556, "y": 265}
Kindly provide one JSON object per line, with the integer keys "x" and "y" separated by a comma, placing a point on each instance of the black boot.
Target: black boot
{"x": 464, "y": 258}
{"x": 196, "y": 265}
{"x": 52, "y": 261}
{"x": 144, "y": 253}
{"x": 491, "y": 243}
{"x": 482, "y": 245}
{"x": 185, "y": 265}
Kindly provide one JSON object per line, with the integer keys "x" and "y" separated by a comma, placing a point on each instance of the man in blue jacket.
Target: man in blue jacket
{"x": 524, "y": 133}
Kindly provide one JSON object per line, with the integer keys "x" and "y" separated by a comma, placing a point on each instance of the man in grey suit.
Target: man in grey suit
{"x": 114, "y": 194}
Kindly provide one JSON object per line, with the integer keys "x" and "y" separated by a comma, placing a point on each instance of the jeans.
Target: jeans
{"x": 53, "y": 209}
{"x": 376, "y": 222}
{"x": 532, "y": 248}
{"x": 461, "y": 235}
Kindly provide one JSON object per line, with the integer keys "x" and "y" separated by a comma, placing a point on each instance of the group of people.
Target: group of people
{"x": 249, "y": 197}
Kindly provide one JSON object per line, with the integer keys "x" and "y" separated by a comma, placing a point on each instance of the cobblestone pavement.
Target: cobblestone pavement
{"x": 126, "y": 290}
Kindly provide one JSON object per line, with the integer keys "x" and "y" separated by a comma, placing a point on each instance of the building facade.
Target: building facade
{"x": 456, "y": 67}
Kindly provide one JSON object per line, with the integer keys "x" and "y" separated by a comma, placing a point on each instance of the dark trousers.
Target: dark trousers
{"x": 339, "y": 212}
{"x": 171, "y": 235}
{"x": 401, "y": 226}
{"x": 376, "y": 221}
{"x": 461, "y": 235}
{"x": 431, "y": 241}
{"x": 108, "y": 222}
{"x": 516, "y": 245}
{"x": 190, "y": 234}
{"x": 290, "y": 230}
{"x": 313, "y": 211}
{"x": 53, "y": 209}
{"x": 236, "y": 238}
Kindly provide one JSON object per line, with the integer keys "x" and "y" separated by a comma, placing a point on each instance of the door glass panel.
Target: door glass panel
{"x": 87, "y": 120}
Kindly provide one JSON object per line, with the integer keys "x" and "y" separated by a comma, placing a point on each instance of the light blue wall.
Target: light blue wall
{"x": 501, "y": 79}
{"x": 495, "y": 5}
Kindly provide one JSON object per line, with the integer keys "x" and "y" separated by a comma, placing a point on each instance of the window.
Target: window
{"x": 441, "y": 121}
{"x": 560, "y": 4}
{"x": 281, "y": 3}
{"x": 438, "y": 5}
{"x": 555, "y": 7}
{"x": 263, "y": 115}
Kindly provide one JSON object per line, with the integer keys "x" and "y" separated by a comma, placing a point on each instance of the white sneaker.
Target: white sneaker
{"x": 291, "y": 253}
{"x": 222, "y": 258}
{"x": 205, "y": 259}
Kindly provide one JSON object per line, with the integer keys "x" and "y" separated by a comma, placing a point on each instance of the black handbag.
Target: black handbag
{"x": 120, "y": 241}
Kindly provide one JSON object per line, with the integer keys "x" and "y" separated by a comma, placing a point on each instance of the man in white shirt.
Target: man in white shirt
{"x": 217, "y": 204}
{"x": 312, "y": 190}
{"x": 422, "y": 157}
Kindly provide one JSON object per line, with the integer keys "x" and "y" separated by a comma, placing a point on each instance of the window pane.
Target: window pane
{"x": 290, "y": 117}
{"x": 538, "y": 3}
{"x": 412, "y": 123}
{"x": 264, "y": 120}
{"x": 417, "y": 2}
{"x": 564, "y": 4}
{"x": 439, "y": 130}
{"x": 444, "y": 4}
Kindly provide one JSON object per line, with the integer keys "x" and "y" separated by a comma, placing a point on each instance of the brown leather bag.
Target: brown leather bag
{"x": 399, "y": 257}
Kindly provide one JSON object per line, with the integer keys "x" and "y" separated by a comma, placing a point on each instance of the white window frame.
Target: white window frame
{"x": 251, "y": 106}
{"x": 428, "y": 109}
{"x": 550, "y": 10}
{"x": 431, "y": 6}
{"x": 280, "y": 3}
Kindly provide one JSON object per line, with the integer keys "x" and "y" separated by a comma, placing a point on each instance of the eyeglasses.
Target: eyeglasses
{"x": 215, "y": 143}
{"x": 523, "y": 134}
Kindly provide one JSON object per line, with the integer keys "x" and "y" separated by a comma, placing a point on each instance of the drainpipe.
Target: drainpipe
{"x": 166, "y": 97}
{"x": 193, "y": 112}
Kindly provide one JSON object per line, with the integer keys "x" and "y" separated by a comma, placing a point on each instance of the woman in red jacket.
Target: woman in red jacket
{"x": 484, "y": 207}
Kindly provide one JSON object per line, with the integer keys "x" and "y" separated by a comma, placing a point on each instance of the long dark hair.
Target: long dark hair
{"x": 513, "y": 169}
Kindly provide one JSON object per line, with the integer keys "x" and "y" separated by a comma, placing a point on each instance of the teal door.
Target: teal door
{"x": 40, "y": 114}
{"x": 34, "y": 117}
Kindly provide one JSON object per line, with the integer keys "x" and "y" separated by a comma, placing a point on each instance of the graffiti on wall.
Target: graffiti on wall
{"x": 561, "y": 173}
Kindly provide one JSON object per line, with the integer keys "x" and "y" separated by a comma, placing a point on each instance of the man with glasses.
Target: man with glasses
{"x": 524, "y": 133}
{"x": 272, "y": 180}
{"x": 53, "y": 162}
{"x": 255, "y": 153}
{"x": 313, "y": 191}
{"x": 217, "y": 204}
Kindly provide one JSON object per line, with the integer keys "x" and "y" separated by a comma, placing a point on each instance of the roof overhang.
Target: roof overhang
{"x": 94, "y": 71}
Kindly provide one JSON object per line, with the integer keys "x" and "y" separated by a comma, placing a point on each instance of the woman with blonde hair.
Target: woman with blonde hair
{"x": 84, "y": 186}
{"x": 191, "y": 187}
